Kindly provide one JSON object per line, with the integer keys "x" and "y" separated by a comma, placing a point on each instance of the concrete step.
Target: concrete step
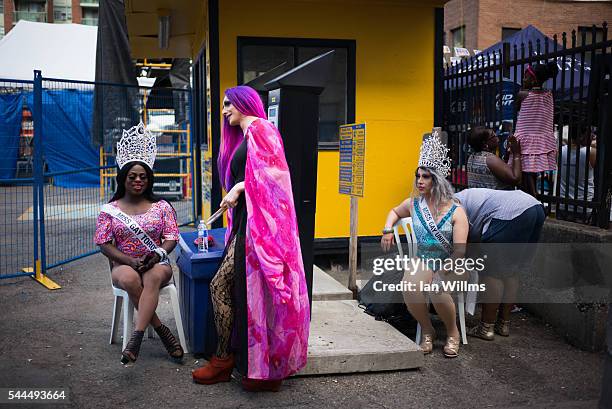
{"x": 325, "y": 288}
{"x": 343, "y": 339}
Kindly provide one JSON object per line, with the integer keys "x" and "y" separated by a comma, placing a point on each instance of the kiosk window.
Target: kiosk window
{"x": 257, "y": 60}
{"x": 256, "y": 56}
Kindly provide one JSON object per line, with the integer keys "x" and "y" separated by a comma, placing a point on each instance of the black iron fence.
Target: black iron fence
{"x": 482, "y": 90}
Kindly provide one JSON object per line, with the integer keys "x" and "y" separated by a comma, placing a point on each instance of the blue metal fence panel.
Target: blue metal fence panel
{"x": 57, "y": 168}
{"x": 71, "y": 208}
{"x": 16, "y": 181}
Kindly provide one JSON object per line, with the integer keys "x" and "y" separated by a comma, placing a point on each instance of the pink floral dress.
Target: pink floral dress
{"x": 159, "y": 222}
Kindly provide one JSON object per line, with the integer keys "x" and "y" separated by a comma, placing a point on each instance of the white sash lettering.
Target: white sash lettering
{"x": 131, "y": 224}
{"x": 431, "y": 225}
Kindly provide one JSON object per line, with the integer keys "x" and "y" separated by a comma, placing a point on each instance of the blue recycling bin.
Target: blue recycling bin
{"x": 197, "y": 270}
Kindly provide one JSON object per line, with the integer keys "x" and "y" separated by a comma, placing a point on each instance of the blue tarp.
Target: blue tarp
{"x": 67, "y": 120}
{"x": 11, "y": 106}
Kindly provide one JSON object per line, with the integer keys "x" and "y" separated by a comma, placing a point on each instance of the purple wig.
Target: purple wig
{"x": 247, "y": 101}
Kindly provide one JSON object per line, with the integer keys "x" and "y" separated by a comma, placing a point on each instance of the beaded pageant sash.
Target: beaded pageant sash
{"x": 433, "y": 229}
{"x": 131, "y": 224}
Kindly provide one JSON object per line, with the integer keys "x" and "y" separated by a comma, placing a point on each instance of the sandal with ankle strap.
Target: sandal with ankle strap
{"x": 172, "y": 345}
{"x": 130, "y": 353}
{"x": 427, "y": 342}
{"x": 451, "y": 349}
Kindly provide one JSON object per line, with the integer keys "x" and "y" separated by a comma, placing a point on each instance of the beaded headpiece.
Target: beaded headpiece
{"x": 136, "y": 144}
{"x": 434, "y": 154}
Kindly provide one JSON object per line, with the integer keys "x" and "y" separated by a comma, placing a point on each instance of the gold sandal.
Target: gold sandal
{"x": 451, "y": 349}
{"x": 427, "y": 341}
{"x": 483, "y": 331}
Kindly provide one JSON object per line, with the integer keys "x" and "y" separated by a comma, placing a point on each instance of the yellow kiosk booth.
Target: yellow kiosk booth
{"x": 387, "y": 73}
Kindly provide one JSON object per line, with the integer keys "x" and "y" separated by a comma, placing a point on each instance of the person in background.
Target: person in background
{"x": 576, "y": 158}
{"x": 534, "y": 125}
{"x": 487, "y": 170}
{"x": 501, "y": 220}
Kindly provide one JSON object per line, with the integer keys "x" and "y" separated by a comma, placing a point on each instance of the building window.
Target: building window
{"x": 30, "y": 11}
{"x": 458, "y": 37}
{"x": 256, "y": 56}
{"x": 587, "y": 32}
{"x": 509, "y": 32}
{"x": 62, "y": 14}
{"x": 90, "y": 16}
{"x": 589, "y": 38}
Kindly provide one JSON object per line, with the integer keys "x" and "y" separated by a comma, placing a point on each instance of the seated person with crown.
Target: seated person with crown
{"x": 136, "y": 230}
{"x": 441, "y": 228}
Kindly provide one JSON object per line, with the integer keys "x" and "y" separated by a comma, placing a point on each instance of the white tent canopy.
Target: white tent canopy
{"x": 66, "y": 51}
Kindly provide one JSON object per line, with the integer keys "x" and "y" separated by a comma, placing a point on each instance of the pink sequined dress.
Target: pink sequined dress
{"x": 159, "y": 222}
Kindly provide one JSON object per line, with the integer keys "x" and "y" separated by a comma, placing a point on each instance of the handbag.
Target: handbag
{"x": 384, "y": 305}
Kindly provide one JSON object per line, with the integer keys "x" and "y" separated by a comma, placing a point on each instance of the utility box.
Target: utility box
{"x": 196, "y": 272}
{"x": 293, "y": 107}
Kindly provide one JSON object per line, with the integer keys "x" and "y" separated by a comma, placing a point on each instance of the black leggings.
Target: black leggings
{"x": 221, "y": 288}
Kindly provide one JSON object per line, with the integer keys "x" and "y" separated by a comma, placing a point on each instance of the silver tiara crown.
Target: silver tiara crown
{"x": 136, "y": 144}
{"x": 434, "y": 154}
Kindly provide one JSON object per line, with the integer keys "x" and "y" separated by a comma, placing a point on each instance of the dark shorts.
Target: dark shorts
{"x": 509, "y": 245}
{"x": 525, "y": 228}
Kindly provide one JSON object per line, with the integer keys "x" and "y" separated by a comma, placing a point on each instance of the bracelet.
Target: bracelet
{"x": 162, "y": 253}
{"x": 387, "y": 230}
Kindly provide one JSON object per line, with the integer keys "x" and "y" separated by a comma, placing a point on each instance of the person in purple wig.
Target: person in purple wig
{"x": 259, "y": 293}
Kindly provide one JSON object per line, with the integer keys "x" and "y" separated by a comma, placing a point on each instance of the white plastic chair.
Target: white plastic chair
{"x": 122, "y": 300}
{"x": 408, "y": 228}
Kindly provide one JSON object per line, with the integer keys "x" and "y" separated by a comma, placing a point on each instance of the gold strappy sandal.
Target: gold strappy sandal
{"x": 483, "y": 331}
{"x": 427, "y": 343}
{"x": 451, "y": 349}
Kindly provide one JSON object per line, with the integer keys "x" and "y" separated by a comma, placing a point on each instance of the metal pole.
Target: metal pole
{"x": 352, "y": 284}
{"x": 40, "y": 264}
{"x": 38, "y": 173}
{"x": 36, "y": 163}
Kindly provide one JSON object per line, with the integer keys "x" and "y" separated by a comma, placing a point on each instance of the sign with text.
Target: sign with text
{"x": 352, "y": 158}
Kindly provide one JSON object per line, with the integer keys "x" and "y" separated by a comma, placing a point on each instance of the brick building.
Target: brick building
{"x": 47, "y": 11}
{"x": 478, "y": 24}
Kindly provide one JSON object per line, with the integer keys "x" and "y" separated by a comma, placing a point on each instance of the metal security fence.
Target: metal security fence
{"x": 481, "y": 91}
{"x": 66, "y": 133}
{"x": 69, "y": 216}
{"x": 16, "y": 183}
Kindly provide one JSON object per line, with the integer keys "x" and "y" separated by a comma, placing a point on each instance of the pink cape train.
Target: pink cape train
{"x": 277, "y": 296}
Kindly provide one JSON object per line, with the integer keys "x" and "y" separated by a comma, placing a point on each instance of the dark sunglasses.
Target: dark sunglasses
{"x": 226, "y": 104}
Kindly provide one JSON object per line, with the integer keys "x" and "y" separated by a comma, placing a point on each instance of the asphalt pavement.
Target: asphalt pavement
{"x": 59, "y": 339}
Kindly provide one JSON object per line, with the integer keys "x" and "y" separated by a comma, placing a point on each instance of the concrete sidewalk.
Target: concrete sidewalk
{"x": 345, "y": 340}
{"x": 60, "y": 339}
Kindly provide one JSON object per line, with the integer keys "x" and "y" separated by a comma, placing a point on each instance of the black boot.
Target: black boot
{"x": 172, "y": 345}
{"x": 130, "y": 353}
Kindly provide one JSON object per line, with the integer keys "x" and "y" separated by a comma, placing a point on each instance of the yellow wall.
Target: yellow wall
{"x": 394, "y": 93}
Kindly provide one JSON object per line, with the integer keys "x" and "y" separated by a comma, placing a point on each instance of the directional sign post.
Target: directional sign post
{"x": 352, "y": 158}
